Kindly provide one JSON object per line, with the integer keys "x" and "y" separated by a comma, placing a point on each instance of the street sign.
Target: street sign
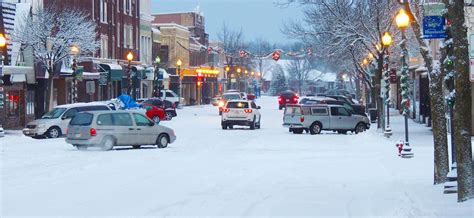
{"x": 433, "y": 27}
{"x": 471, "y": 70}
{"x": 90, "y": 87}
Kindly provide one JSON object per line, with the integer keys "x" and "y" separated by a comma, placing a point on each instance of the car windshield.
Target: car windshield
{"x": 238, "y": 105}
{"x": 53, "y": 114}
{"x": 232, "y": 96}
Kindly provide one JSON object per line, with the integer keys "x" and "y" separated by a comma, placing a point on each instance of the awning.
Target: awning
{"x": 89, "y": 75}
{"x": 115, "y": 71}
{"x": 139, "y": 71}
{"x": 20, "y": 73}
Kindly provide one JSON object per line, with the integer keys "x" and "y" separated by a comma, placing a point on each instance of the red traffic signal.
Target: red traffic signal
{"x": 276, "y": 55}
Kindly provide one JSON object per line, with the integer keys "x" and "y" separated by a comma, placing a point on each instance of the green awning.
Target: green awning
{"x": 114, "y": 70}
{"x": 139, "y": 71}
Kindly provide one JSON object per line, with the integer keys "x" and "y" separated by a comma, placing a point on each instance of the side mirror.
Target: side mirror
{"x": 258, "y": 107}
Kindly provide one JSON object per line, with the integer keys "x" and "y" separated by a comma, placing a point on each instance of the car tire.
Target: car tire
{"x": 252, "y": 124}
{"x": 224, "y": 126}
{"x": 156, "y": 119}
{"x": 231, "y": 127}
{"x": 168, "y": 115}
{"x": 360, "y": 128}
{"x": 107, "y": 144}
{"x": 315, "y": 128}
{"x": 162, "y": 141}
{"x": 136, "y": 146}
{"x": 280, "y": 107}
{"x": 81, "y": 147}
{"x": 220, "y": 113}
{"x": 297, "y": 131}
{"x": 53, "y": 132}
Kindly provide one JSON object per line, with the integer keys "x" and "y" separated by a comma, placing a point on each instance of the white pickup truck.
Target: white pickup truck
{"x": 315, "y": 118}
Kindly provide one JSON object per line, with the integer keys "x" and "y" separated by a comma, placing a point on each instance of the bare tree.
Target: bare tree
{"x": 51, "y": 32}
{"x": 438, "y": 105}
{"x": 334, "y": 26}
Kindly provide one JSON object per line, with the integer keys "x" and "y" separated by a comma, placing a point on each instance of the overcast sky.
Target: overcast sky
{"x": 257, "y": 18}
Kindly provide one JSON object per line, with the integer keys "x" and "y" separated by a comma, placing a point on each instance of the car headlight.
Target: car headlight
{"x": 221, "y": 104}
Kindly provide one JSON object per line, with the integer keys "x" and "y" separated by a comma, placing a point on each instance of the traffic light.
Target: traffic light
{"x": 200, "y": 78}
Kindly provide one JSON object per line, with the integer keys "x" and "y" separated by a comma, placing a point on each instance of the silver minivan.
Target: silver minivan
{"x": 315, "y": 118}
{"x": 106, "y": 129}
{"x": 53, "y": 124}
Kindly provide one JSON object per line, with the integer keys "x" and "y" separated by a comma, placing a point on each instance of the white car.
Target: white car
{"x": 54, "y": 123}
{"x": 171, "y": 96}
{"x": 240, "y": 113}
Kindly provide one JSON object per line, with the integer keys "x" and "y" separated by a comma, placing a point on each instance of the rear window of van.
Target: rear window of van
{"x": 82, "y": 119}
{"x": 293, "y": 110}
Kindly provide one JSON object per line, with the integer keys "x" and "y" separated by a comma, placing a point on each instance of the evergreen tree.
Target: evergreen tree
{"x": 279, "y": 82}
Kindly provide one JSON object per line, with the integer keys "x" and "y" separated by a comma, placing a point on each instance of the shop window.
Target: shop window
{"x": 13, "y": 101}
{"x": 30, "y": 102}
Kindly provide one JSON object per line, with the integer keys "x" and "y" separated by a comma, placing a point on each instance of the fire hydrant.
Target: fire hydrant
{"x": 399, "y": 145}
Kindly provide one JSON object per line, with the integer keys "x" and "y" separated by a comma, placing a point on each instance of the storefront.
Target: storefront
{"x": 111, "y": 78}
{"x": 209, "y": 89}
{"x": 17, "y": 99}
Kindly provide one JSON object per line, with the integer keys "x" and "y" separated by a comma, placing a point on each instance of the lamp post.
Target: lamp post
{"x": 387, "y": 41}
{"x": 227, "y": 70}
{"x": 157, "y": 85}
{"x": 403, "y": 20}
{"x": 178, "y": 64}
{"x": 74, "y": 51}
{"x": 130, "y": 75}
{"x": 3, "y": 43}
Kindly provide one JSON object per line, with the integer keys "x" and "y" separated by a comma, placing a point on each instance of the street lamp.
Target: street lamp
{"x": 387, "y": 41}
{"x": 403, "y": 20}
{"x": 130, "y": 74}
{"x": 74, "y": 51}
{"x": 3, "y": 43}
{"x": 178, "y": 64}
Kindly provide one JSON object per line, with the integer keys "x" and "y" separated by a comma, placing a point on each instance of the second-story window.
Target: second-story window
{"x": 103, "y": 11}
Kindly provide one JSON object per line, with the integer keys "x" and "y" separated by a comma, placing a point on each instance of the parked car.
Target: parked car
{"x": 155, "y": 113}
{"x": 287, "y": 97}
{"x": 168, "y": 106}
{"x": 315, "y": 118}
{"x": 242, "y": 113}
{"x": 107, "y": 129}
{"x": 171, "y": 96}
{"x": 353, "y": 108}
{"x": 2, "y": 131}
{"x": 226, "y": 97}
{"x": 339, "y": 92}
{"x": 53, "y": 124}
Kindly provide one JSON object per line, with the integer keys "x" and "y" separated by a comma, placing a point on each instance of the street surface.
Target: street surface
{"x": 213, "y": 172}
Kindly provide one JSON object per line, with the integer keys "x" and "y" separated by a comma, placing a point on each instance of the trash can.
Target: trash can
{"x": 373, "y": 114}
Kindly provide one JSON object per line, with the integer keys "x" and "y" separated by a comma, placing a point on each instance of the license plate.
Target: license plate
{"x": 77, "y": 135}
{"x": 287, "y": 100}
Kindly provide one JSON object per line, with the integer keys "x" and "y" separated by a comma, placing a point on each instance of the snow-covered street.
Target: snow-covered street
{"x": 213, "y": 172}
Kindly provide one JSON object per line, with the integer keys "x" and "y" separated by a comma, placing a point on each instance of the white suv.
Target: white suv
{"x": 241, "y": 113}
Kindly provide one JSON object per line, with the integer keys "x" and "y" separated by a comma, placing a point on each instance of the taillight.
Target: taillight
{"x": 301, "y": 119}
{"x": 295, "y": 99}
{"x": 92, "y": 132}
{"x": 225, "y": 110}
{"x": 280, "y": 99}
{"x": 248, "y": 111}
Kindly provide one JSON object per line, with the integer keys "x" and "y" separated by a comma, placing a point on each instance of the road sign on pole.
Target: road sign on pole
{"x": 90, "y": 87}
{"x": 434, "y": 27}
